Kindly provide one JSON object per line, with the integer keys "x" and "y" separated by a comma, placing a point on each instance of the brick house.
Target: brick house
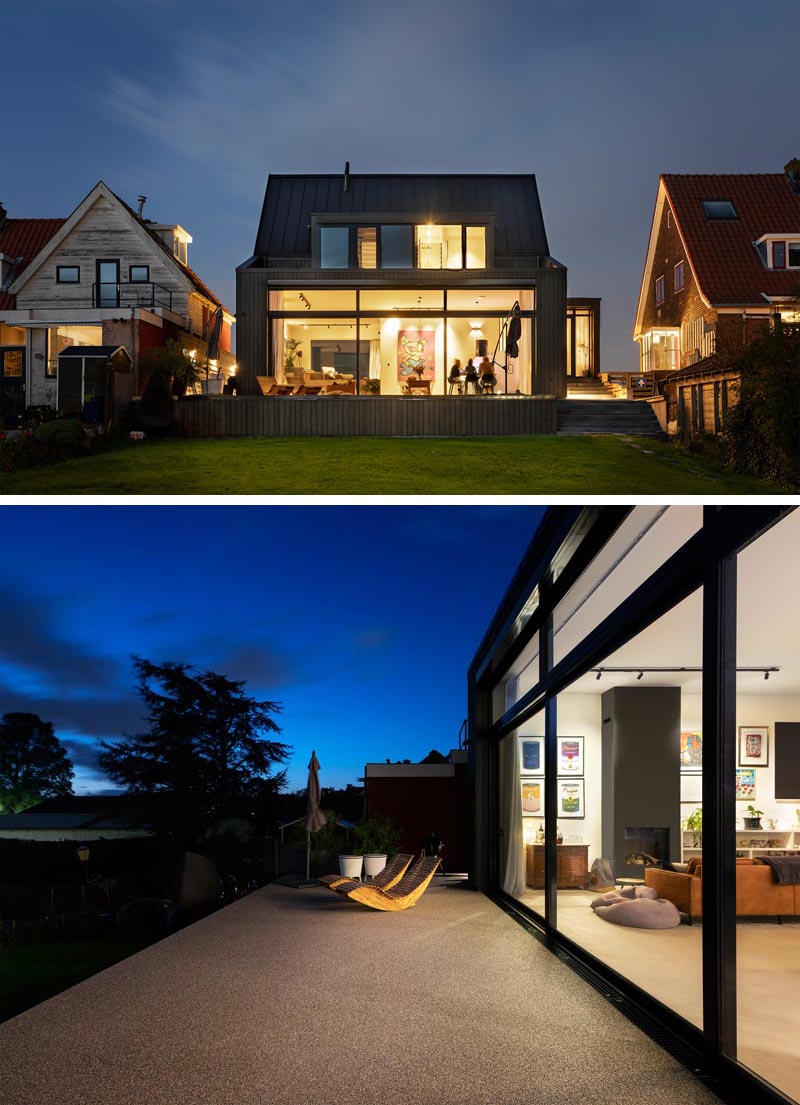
{"x": 102, "y": 277}
{"x": 723, "y": 257}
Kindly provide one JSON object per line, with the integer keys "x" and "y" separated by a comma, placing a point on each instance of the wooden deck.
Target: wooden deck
{"x": 361, "y": 416}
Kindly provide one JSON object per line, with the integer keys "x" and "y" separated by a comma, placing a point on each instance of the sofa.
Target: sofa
{"x": 757, "y": 892}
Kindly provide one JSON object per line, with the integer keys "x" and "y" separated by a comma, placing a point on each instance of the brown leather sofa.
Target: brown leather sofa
{"x": 757, "y": 893}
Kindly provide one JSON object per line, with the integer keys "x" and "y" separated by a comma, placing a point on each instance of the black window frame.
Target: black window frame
{"x": 60, "y": 269}
{"x": 98, "y": 297}
{"x": 350, "y": 247}
{"x": 130, "y": 274}
{"x": 719, "y": 218}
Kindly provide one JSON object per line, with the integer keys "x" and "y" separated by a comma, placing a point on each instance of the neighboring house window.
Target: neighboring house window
{"x": 476, "y": 247}
{"x": 698, "y": 340}
{"x": 719, "y": 209}
{"x": 397, "y": 247}
{"x": 367, "y": 248}
{"x": 779, "y": 255}
{"x": 669, "y": 219}
{"x": 68, "y": 274}
{"x": 793, "y": 249}
{"x": 679, "y": 277}
{"x": 659, "y": 291}
{"x": 334, "y": 247}
{"x": 139, "y": 274}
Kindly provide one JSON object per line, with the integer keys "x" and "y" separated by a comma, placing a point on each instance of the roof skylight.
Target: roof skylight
{"x": 719, "y": 209}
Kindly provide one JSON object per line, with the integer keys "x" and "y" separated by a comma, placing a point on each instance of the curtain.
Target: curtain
{"x": 375, "y": 359}
{"x": 511, "y": 818}
{"x": 277, "y": 350}
{"x": 525, "y": 362}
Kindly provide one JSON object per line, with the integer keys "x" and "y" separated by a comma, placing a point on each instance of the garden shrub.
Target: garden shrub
{"x": 144, "y": 917}
{"x": 65, "y": 432}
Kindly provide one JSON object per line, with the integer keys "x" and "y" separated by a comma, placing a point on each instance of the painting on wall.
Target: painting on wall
{"x": 532, "y": 797}
{"x": 745, "y": 784}
{"x": 570, "y": 756}
{"x": 571, "y": 798}
{"x": 754, "y": 745}
{"x": 416, "y": 354}
{"x": 691, "y": 751}
{"x": 531, "y": 755}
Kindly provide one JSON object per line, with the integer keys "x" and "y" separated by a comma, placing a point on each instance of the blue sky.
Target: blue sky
{"x": 194, "y": 103}
{"x": 361, "y": 621}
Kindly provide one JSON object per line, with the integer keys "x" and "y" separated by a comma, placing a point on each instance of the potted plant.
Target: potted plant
{"x": 694, "y": 824}
{"x": 350, "y": 866}
{"x": 754, "y": 820}
{"x": 173, "y": 362}
{"x": 376, "y": 838}
{"x": 371, "y": 386}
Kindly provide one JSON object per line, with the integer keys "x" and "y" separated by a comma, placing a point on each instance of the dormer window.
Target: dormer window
{"x": 718, "y": 210}
{"x": 402, "y": 245}
{"x": 779, "y": 253}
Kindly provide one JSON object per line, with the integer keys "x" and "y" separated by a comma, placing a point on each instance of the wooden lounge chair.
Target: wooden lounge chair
{"x": 391, "y": 874}
{"x": 403, "y": 894}
{"x": 266, "y": 383}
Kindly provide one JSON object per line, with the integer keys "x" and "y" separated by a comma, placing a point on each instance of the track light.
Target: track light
{"x": 766, "y": 675}
{"x": 598, "y": 676}
{"x": 640, "y": 675}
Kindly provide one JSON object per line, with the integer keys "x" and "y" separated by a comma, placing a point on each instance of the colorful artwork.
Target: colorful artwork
{"x": 531, "y": 755}
{"x": 533, "y": 797}
{"x": 691, "y": 751}
{"x": 416, "y": 353}
{"x": 570, "y": 755}
{"x": 754, "y": 746}
{"x": 571, "y": 798}
{"x": 745, "y": 784}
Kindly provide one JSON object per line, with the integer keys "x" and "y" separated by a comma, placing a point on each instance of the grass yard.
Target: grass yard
{"x": 31, "y": 973}
{"x": 540, "y": 466}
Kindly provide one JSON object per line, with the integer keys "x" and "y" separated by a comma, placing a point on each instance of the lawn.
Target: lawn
{"x": 34, "y": 972}
{"x": 543, "y": 466}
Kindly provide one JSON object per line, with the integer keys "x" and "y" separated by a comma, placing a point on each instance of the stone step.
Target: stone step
{"x": 614, "y": 416}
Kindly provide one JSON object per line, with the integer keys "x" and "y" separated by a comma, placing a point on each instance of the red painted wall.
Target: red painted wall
{"x": 422, "y": 806}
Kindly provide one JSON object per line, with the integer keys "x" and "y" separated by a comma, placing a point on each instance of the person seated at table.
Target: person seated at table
{"x": 455, "y": 375}
{"x": 488, "y": 378}
{"x": 471, "y": 377}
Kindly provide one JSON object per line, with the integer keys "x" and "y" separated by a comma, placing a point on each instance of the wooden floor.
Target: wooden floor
{"x": 365, "y": 416}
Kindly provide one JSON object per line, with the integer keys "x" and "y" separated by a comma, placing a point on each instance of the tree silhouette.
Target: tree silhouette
{"x": 208, "y": 753}
{"x": 33, "y": 762}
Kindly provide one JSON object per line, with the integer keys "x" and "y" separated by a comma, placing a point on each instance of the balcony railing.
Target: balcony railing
{"x": 131, "y": 295}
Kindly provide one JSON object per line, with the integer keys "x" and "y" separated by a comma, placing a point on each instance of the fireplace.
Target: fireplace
{"x": 646, "y": 846}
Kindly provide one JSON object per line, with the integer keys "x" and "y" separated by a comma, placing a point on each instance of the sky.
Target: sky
{"x": 193, "y": 103}
{"x": 360, "y": 621}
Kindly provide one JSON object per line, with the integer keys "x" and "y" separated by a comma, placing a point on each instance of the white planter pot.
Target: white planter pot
{"x": 350, "y": 866}
{"x": 212, "y": 387}
{"x": 374, "y": 863}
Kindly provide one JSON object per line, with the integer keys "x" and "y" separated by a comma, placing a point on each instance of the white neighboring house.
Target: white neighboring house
{"x": 105, "y": 276}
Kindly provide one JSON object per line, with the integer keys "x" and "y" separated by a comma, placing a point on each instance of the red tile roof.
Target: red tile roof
{"x": 24, "y": 238}
{"x": 727, "y": 265}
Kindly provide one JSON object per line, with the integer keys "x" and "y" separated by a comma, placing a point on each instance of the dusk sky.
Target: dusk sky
{"x": 360, "y": 621}
{"x": 193, "y": 104}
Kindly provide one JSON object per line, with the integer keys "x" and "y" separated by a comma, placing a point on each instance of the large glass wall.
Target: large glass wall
{"x": 768, "y": 807}
{"x": 398, "y": 341}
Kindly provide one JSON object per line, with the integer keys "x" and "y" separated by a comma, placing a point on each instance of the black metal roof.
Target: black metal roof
{"x": 91, "y": 350}
{"x": 290, "y": 201}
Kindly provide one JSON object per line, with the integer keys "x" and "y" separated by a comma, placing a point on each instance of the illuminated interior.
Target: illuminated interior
{"x": 660, "y": 350}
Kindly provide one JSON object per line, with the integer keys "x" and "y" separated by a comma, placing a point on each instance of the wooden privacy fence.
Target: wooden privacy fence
{"x": 357, "y": 416}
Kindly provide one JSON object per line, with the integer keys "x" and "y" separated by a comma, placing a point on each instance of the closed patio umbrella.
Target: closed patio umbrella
{"x": 514, "y": 333}
{"x": 315, "y": 818}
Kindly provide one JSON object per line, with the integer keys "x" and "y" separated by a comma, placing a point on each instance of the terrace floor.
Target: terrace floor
{"x": 294, "y": 996}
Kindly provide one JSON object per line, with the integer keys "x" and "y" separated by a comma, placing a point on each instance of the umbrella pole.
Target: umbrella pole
{"x": 308, "y": 854}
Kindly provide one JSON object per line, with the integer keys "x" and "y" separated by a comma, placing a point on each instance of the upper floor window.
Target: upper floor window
{"x": 139, "y": 274}
{"x": 659, "y": 291}
{"x": 679, "y": 278}
{"x": 719, "y": 209}
{"x": 793, "y": 250}
{"x": 403, "y": 246}
{"x": 779, "y": 255}
{"x": 68, "y": 274}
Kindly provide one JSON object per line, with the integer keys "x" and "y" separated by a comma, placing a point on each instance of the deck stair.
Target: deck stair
{"x": 616, "y": 416}
{"x": 588, "y": 387}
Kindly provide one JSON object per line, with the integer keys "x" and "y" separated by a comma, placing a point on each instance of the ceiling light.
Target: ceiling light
{"x": 639, "y": 676}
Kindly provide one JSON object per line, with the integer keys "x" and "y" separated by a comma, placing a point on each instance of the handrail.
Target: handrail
{"x": 101, "y": 291}
{"x": 463, "y": 735}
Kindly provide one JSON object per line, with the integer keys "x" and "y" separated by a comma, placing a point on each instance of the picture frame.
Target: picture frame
{"x": 691, "y": 786}
{"x": 754, "y": 746}
{"x": 571, "y": 798}
{"x": 569, "y": 755}
{"x": 691, "y": 751}
{"x": 532, "y": 791}
{"x": 531, "y": 755}
{"x": 745, "y": 784}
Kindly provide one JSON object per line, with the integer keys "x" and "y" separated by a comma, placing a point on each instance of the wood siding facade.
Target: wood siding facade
{"x": 351, "y": 416}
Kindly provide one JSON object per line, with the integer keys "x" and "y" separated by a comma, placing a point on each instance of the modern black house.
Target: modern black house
{"x": 636, "y": 701}
{"x": 375, "y": 284}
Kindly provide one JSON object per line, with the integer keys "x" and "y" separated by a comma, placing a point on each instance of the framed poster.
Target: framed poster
{"x": 531, "y": 755}
{"x": 745, "y": 784}
{"x": 691, "y": 786}
{"x": 532, "y": 797}
{"x": 416, "y": 354}
{"x": 571, "y": 796}
{"x": 569, "y": 756}
{"x": 754, "y": 746}
{"x": 691, "y": 751}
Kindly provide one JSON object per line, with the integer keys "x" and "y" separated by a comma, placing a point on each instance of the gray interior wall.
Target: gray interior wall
{"x": 641, "y": 768}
